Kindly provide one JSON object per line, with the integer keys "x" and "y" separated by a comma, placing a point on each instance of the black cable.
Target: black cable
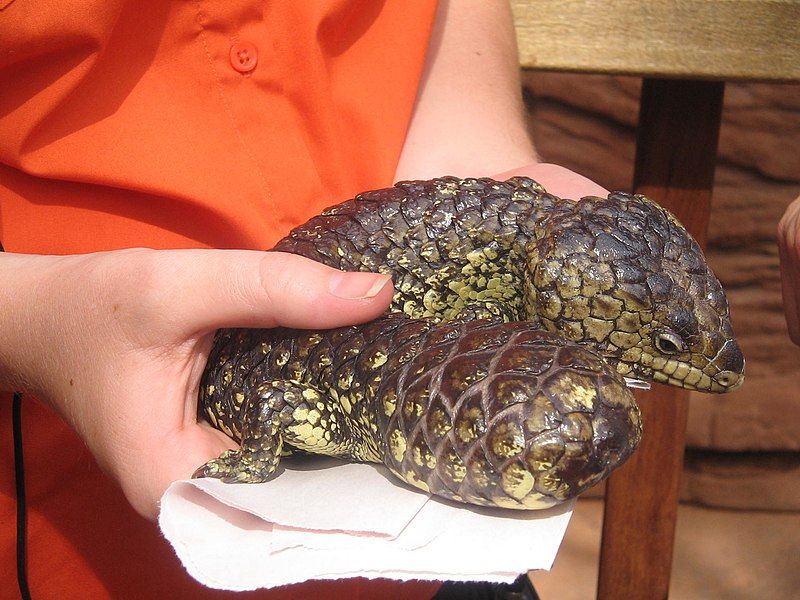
{"x": 19, "y": 483}
{"x": 19, "y": 480}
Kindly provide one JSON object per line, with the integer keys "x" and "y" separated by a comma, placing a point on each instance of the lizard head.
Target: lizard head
{"x": 622, "y": 275}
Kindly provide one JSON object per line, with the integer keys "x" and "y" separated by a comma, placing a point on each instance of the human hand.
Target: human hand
{"x": 116, "y": 343}
{"x": 558, "y": 180}
{"x": 789, "y": 251}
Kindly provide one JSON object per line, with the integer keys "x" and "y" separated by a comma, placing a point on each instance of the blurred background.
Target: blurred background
{"x": 738, "y": 526}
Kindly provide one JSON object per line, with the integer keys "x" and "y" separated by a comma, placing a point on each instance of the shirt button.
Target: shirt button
{"x": 244, "y": 56}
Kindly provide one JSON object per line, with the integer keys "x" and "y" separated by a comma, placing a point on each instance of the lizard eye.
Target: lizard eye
{"x": 668, "y": 343}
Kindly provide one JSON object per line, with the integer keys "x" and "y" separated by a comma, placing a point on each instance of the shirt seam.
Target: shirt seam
{"x": 270, "y": 203}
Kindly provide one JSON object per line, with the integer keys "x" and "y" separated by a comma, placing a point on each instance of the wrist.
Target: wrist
{"x": 29, "y": 305}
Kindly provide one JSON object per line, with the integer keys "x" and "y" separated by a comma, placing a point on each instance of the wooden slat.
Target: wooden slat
{"x": 642, "y": 503}
{"x": 702, "y": 39}
{"x": 676, "y": 151}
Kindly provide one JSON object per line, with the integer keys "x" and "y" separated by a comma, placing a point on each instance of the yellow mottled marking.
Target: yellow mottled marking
{"x": 502, "y": 502}
{"x": 345, "y": 380}
{"x": 598, "y": 329}
{"x": 397, "y": 444}
{"x": 313, "y": 417}
{"x": 572, "y": 330}
{"x": 318, "y": 433}
{"x": 479, "y": 471}
{"x": 624, "y": 340}
{"x": 517, "y": 482}
{"x": 538, "y": 501}
{"x": 300, "y": 413}
{"x": 310, "y": 395}
{"x": 302, "y": 430}
{"x": 389, "y": 402}
{"x": 455, "y": 468}
{"x": 551, "y": 305}
{"x": 577, "y": 308}
{"x": 465, "y": 427}
{"x": 632, "y": 355}
{"x": 550, "y": 482}
{"x": 439, "y": 422}
{"x": 507, "y": 440}
{"x": 412, "y": 478}
{"x": 377, "y": 360}
{"x": 576, "y": 391}
{"x": 629, "y": 322}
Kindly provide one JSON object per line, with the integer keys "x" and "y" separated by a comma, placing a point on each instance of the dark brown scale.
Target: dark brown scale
{"x": 458, "y": 396}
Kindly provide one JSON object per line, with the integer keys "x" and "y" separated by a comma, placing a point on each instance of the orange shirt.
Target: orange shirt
{"x": 178, "y": 124}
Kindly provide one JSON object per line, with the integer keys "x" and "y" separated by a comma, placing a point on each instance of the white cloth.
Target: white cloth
{"x": 322, "y": 518}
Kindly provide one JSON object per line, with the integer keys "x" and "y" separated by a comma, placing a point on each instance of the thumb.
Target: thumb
{"x": 242, "y": 288}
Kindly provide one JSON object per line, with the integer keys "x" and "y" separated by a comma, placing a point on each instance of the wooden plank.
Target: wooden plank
{"x": 676, "y": 151}
{"x": 703, "y": 39}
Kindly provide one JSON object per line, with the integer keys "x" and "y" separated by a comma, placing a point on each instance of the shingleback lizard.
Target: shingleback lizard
{"x": 499, "y": 376}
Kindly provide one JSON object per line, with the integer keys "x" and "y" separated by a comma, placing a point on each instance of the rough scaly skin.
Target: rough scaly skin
{"x": 524, "y": 413}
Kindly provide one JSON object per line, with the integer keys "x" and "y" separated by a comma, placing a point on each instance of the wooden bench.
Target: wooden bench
{"x": 685, "y": 51}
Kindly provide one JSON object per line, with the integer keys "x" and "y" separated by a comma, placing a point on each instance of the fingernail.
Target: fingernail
{"x": 356, "y": 286}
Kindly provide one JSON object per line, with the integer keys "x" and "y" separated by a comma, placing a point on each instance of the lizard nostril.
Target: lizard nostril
{"x": 726, "y": 378}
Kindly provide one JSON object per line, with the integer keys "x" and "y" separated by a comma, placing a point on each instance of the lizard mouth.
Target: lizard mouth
{"x": 698, "y": 380}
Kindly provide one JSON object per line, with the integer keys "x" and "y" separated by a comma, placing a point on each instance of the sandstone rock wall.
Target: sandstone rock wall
{"x": 587, "y": 123}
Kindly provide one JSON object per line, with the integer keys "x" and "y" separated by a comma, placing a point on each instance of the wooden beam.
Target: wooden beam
{"x": 676, "y": 151}
{"x": 703, "y": 39}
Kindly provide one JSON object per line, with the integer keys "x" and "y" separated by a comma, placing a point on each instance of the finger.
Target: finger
{"x": 230, "y": 288}
{"x": 789, "y": 253}
{"x": 558, "y": 180}
{"x": 790, "y": 277}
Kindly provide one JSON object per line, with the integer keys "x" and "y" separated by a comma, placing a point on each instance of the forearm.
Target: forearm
{"x": 469, "y": 118}
{"x": 24, "y": 279}
{"x": 44, "y": 332}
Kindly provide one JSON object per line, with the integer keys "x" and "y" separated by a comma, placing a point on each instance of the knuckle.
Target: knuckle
{"x": 283, "y": 277}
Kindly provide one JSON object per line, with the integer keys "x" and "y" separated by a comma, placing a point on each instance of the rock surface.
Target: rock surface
{"x": 587, "y": 123}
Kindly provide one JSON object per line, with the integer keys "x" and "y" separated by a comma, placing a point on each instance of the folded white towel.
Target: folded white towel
{"x": 322, "y": 518}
